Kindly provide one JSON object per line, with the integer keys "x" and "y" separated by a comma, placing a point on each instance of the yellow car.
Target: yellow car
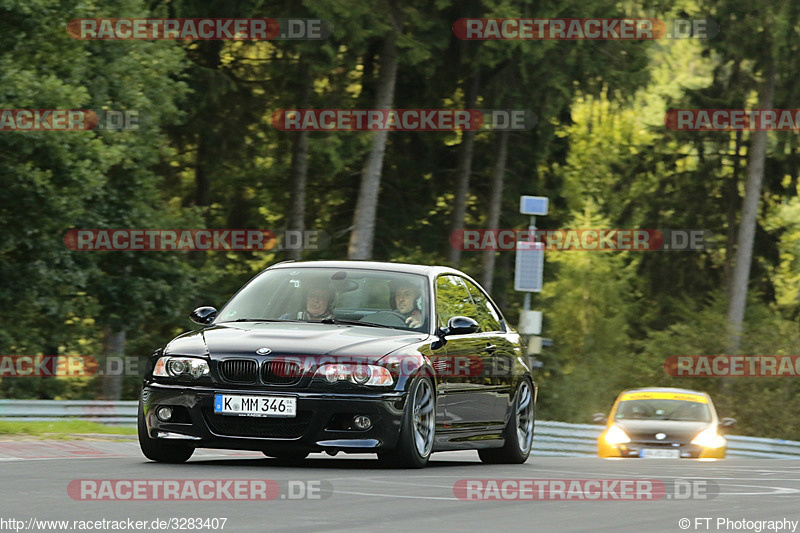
{"x": 663, "y": 423}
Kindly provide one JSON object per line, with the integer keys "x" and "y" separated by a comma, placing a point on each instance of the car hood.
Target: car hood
{"x": 292, "y": 338}
{"x": 675, "y": 430}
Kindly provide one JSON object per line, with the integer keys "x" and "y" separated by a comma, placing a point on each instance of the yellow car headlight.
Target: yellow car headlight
{"x": 709, "y": 438}
{"x": 615, "y": 435}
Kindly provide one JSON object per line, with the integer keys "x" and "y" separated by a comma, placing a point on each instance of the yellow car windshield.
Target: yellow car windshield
{"x": 661, "y": 409}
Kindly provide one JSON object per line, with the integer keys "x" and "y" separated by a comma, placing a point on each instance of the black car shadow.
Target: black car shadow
{"x": 329, "y": 463}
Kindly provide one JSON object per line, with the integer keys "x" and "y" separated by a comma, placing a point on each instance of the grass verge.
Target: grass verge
{"x": 62, "y": 429}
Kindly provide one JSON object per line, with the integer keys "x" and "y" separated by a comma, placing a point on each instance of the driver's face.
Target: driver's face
{"x": 317, "y": 302}
{"x": 405, "y": 299}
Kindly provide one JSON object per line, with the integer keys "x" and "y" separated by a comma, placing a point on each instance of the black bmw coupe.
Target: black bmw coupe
{"x": 344, "y": 356}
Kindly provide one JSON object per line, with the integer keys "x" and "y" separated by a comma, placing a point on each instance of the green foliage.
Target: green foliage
{"x": 752, "y": 401}
{"x": 591, "y": 301}
{"x": 208, "y": 156}
{"x": 56, "y": 181}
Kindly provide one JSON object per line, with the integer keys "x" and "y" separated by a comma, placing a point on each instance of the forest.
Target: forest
{"x": 206, "y": 154}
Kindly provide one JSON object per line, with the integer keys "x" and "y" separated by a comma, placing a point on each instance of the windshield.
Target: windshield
{"x": 333, "y": 295}
{"x": 663, "y": 410}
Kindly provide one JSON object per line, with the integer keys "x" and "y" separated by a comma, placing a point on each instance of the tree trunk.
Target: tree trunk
{"x": 495, "y": 205}
{"x": 363, "y": 235}
{"x": 731, "y": 197}
{"x": 207, "y": 58}
{"x": 506, "y": 276}
{"x": 113, "y": 350}
{"x": 463, "y": 171}
{"x": 299, "y": 175}
{"x": 747, "y": 228}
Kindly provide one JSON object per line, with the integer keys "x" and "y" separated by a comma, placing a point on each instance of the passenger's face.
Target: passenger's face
{"x": 317, "y": 301}
{"x": 405, "y": 299}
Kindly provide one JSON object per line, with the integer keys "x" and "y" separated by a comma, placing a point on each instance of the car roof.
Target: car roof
{"x": 665, "y": 389}
{"x": 425, "y": 270}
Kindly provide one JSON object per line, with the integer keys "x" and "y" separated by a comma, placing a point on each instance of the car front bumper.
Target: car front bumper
{"x": 321, "y": 424}
{"x": 634, "y": 449}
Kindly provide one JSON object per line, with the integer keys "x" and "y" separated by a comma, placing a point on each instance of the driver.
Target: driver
{"x": 319, "y": 304}
{"x": 405, "y": 298}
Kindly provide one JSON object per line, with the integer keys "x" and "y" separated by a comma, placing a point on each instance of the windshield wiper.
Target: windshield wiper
{"x": 354, "y": 323}
{"x": 263, "y": 320}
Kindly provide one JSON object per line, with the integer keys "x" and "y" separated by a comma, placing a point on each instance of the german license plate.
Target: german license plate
{"x": 660, "y": 453}
{"x": 275, "y": 406}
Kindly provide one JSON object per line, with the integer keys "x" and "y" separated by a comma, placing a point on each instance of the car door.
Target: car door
{"x": 471, "y": 401}
{"x": 499, "y": 353}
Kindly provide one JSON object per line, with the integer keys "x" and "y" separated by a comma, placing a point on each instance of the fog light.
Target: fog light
{"x": 164, "y": 414}
{"x": 362, "y": 422}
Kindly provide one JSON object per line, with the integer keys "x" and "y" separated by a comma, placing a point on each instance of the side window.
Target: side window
{"x": 487, "y": 316}
{"x": 452, "y": 299}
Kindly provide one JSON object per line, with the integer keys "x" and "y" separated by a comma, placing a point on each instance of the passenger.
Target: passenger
{"x": 405, "y": 300}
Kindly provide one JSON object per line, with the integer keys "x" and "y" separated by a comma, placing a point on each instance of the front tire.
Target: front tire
{"x": 161, "y": 451}
{"x": 518, "y": 433}
{"x": 415, "y": 443}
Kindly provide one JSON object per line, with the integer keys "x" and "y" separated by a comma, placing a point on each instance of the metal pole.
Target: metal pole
{"x": 532, "y": 229}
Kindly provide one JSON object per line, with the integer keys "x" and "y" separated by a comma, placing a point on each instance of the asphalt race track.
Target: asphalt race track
{"x": 354, "y": 493}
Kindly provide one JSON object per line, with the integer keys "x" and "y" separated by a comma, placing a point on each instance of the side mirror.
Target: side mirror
{"x": 460, "y": 325}
{"x": 599, "y": 418}
{"x": 203, "y": 315}
{"x": 727, "y": 423}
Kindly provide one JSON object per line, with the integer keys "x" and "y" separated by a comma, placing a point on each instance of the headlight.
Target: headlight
{"x": 709, "y": 438}
{"x": 357, "y": 373}
{"x": 615, "y": 435}
{"x": 174, "y": 367}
